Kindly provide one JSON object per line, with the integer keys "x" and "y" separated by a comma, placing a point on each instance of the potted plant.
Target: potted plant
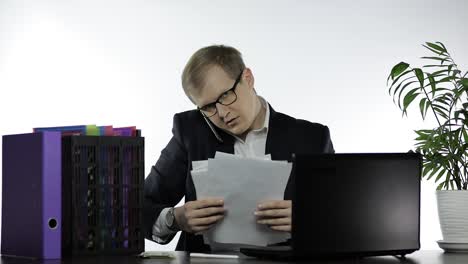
{"x": 441, "y": 90}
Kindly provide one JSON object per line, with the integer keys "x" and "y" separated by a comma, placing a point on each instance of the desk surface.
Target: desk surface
{"x": 419, "y": 257}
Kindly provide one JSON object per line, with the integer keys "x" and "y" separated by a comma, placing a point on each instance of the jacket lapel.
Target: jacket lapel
{"x": 227, "y": 146}
{"x": 278, "y": 139}
{"x": 277, "y": 143}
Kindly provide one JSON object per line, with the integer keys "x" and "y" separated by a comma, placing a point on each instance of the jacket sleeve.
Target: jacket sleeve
{"x": 165, "y": 185}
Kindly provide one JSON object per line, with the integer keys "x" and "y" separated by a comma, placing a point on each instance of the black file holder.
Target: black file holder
{"x": 103, "y": 180}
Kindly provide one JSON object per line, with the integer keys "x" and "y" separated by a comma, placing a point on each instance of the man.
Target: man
{"x": 231, "y": 118}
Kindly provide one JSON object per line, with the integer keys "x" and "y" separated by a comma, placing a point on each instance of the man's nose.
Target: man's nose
{"x": 222, "y": 111}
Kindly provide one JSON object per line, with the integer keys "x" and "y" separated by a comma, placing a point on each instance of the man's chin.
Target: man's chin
{"x": 237, "y": 131}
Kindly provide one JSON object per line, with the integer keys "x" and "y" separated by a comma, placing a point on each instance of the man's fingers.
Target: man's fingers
{"x": 211, "y": 202}
{"x": 284, "y": 228}
{"x": 204, "y": 221}
{"x": 275, "y": 221}
{"x": 274, "y": 213}
{"x": 205, "y": 212}
{"x": 274, "y": 204}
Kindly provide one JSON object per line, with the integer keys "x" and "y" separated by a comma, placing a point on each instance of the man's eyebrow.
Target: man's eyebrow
{"x": 209, "y": 103}
{"x": 216, "y": 99}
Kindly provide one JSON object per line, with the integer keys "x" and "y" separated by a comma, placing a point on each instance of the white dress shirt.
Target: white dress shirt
{"x": 253, "y": 146}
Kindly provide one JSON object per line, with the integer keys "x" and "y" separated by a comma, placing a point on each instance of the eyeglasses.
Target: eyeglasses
{"x": 227, "y": 98}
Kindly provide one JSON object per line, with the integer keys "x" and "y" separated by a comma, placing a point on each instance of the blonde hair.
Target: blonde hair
{"x": 227, "y": 58}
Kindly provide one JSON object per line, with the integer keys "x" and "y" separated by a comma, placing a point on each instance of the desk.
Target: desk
{"x": 419, "y": 257}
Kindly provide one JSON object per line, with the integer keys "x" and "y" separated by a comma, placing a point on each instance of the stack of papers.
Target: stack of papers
{"x": 243, "y": 183}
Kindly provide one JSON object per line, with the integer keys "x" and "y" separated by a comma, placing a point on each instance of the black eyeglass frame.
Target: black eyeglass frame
{"x": 233, "y": 89}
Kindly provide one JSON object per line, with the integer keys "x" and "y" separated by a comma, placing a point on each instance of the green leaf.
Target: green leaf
{"x": 456, "y": 157}
{"x": 434, "y": 65}
{"x": 440, "y": 112}
{"x": 427, "y": 107}
{"x": 434, "y": 171}
{"x": 427, "y": 168}
{"x": 422, "y": 107}
{"x": 450, "y": 68}
{"x": 433, "y": 50}
{"x": 436, "y": 47}
{"x": 446, "y": 79}
{"x": 420, "y": 75}
{"x": 458, "y": 93}
{"x": 398, "y": 78}
{"x": 398, "y": 69}
{"x": 423, "y": 133}
{"x": 441, "y": 107}
{"x": 458, "y": 113}
{"x": 442, "y": 172}
{"x": 436, "y": 73}
{"x": 443, "y": 100}
{"x": 464, "y": 82}
{"x": 442, "y": 45}
{"x": 447, "y": 178}
{"x": 440, "y": 186}
{"x": 442, "y": 60}
{"x": 432, "y": 82}
{"x": 442, "y": 89}
{"x": 414, "y": 90}
{"x": 402, "y": 88}
{"x": 408, "y": 99}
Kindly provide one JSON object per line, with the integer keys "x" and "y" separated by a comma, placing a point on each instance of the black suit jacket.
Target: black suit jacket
{"x": 170, "y": 179}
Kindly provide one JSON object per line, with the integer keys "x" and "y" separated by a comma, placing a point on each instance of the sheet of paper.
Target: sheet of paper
{"x": 220, "y": 155}
{"x": 243, "y": 182}
{"x": 199, "y": 165}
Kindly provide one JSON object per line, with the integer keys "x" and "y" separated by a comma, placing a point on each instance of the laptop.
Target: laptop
{"x": 352, "y": 205}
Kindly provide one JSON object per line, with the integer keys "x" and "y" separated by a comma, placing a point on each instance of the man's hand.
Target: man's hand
{"x": 200, "y": 215}
{"x": 275, "y": 214}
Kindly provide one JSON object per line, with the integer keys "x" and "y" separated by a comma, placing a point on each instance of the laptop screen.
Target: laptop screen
{"x": 356, "y": 203}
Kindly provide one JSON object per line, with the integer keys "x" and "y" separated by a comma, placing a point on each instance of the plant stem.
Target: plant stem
{"x": 458, "y": 72}
{"x": 440, "y": 131}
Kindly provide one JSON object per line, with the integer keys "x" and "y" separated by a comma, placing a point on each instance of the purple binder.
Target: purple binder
{"x": 31, "y": 197}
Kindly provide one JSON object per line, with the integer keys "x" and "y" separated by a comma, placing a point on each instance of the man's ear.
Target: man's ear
{"x": 248, "y": 77}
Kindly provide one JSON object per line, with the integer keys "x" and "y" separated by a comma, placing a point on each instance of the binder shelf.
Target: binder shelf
{"x": 103, "y": 179}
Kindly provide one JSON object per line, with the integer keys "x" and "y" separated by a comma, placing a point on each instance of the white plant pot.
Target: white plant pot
{"x": 453, "y": 215}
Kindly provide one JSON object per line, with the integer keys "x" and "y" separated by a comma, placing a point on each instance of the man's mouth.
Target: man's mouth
{"x": 231, "y": 121}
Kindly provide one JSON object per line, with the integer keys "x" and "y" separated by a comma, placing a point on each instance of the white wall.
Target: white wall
{"x": 119, "y": 62}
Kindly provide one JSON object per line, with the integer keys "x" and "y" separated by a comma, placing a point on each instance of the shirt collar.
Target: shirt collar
{"x": 266, "y": 122}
